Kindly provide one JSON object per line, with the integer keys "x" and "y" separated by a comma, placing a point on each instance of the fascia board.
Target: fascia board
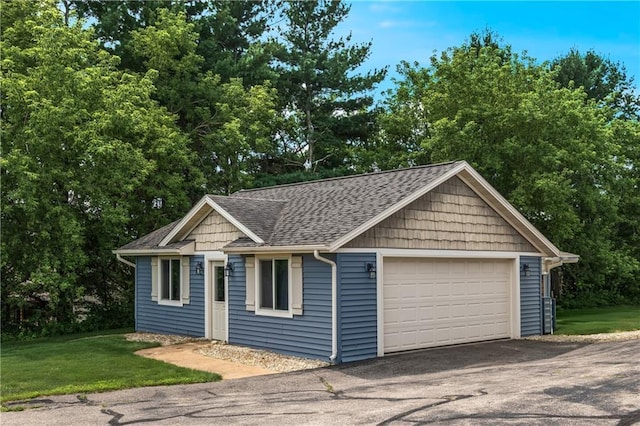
{"x": 394, "y": 208}
{"x": 178, "y": 228}
{"x": 275, "y": 249}
{"x": 235, "y": 222}
{"x": 206, "y": 201}
{"x": 520, "y": 221}
{"x": 187, "y": 250}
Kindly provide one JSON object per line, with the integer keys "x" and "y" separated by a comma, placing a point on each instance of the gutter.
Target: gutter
{"x": 125, "y": 261}
{"x": 334, "y": 304}
{"x": 553, "y": 262}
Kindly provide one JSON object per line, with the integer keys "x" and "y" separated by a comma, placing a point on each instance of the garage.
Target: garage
{"x": 437, "y": 301}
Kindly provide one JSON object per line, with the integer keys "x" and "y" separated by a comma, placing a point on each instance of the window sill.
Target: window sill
{"x": 274, "y": 313}
{"x": 170, "y": 303}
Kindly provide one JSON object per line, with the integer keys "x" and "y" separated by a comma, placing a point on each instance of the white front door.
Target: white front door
{"x": 218, "y": 301}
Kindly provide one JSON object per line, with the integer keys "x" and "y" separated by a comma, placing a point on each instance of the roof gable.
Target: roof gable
{"x": 327, "y": 214}
{"x": 449, "y": 217}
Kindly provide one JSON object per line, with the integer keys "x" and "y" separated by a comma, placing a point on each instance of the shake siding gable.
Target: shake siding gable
{"x": 307, "y": 335}
{"x": 530, "y": 297}
{"x": 357, "y": 308}
{"x": 151, "y": 317}
{"x": 214, "y": 232}
{"x": 450, "y": 217}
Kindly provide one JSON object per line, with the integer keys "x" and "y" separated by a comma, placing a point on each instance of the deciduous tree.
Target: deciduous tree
{"x": 89, "y": 162}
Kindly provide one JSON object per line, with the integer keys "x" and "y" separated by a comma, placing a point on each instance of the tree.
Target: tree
{"x": 327, "y": 104}
{"x": 229, "y": 126}
{"x": 603, "y": 80}
{"x": 228, "y": 35}
{"x": 550, "y": 150}
{"x": 89, "y": 162}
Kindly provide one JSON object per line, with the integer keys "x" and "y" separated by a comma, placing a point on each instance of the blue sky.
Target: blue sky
{"x": 413, "y": 30}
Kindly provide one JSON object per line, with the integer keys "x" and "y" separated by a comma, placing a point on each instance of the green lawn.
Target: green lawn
{"x": 598, "y": 320}
{"x": 83, "y": 364}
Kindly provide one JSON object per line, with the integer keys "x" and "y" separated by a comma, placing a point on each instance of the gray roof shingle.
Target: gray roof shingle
{"x": 320, "y": 212}
{"x": 315, "y": 212}
{"x": 152, "y": 240}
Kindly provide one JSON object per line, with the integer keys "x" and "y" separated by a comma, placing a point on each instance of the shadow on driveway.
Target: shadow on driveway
{"x": 479, "y": 355}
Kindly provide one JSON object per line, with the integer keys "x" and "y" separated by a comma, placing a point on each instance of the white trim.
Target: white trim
{"x": 273, "y": 312}
{"x": 235, "y": 222}
{"x": 451, "y": 253}
{"x": 521, "y": 220}
{"x": 437, "y": 252}
{"x": 215, "y": 206}
{"x": 274, "y": 249}
{"x": 169, "y": 302}
{"x": 515, "y": 299}
{"x": 394, "y": 208}
{"x": 380, "y": 301}
{"x": 186, "y": 250}
{"x": 210, "y": 256}
{"x": 195, "y": 209}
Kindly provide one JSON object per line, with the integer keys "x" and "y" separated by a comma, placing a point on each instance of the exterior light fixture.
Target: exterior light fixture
{"x": 525, "y": 270}
{"x": 371, "y": 269}
{"x": 199, "y": 268}
{"x": 228, "y": 269}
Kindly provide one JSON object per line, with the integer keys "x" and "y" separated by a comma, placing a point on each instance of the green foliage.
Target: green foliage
{"x": 327, "y": 106}
{"x": 229, "y": 125}
{"x": 84, "y": 364}
{"x": 598, "y": 320}
{"x": 601, "y": 79}
{"x": 87, "y": 154}
{"x": 555, "y": 154}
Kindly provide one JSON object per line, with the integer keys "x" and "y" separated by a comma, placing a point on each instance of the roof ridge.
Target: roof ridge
{"x": 424, "y": 166}
{"x": 255, "y": 199}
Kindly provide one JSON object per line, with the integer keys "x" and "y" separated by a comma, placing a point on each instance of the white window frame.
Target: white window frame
{"x": 273, "y": 312}
{"x": 170, "y": 302}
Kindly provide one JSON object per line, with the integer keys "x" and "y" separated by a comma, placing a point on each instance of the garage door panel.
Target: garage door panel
{"x": 434, "y": 302}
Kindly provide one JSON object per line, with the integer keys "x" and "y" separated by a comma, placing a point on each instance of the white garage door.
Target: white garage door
{"x": 435, "y": 302}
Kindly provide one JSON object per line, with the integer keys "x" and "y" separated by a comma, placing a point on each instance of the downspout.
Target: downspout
{"x": 125, "y": 261}
{"x": 334, "y": 303}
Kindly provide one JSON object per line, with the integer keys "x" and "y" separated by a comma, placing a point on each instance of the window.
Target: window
{"x": 274, "y": 285}
{"x": 218, "y": 283}
{"x": 170, "y": 279}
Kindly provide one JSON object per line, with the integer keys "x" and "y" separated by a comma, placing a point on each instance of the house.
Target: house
{"x": 349, "y": 268}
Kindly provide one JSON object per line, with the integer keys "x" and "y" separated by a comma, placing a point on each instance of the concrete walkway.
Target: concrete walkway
{"x": 186, "y": 355}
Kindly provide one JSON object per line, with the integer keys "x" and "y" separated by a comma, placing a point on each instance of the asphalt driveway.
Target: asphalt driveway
{"x": 513, "y": 382}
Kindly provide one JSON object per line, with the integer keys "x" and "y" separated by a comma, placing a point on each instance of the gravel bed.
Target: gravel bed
{"x": 259, "y": 358}
{"x": 286, "y": 363}
{"x": 247, "y": 356}
{"x": 163, "y": 339}
{"x": 588, "y": 338}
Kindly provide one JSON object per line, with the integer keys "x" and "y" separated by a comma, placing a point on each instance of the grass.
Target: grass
{"x": 84, "y": 364}
{"x": 598, "y": 320}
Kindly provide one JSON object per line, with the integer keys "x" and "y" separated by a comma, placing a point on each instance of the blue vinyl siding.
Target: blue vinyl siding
{"x": 307, "y": 335}
{"x": 185, "y": 320}
{"x": 530, "y": 297}
{"x": 357, "y": 308}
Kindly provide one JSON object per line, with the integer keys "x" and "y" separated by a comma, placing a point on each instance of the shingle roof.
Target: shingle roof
{"x": 312, "y": 213}
{"x": 258, "y": 215}
{"x": 319, "y": 212}
{"x": 150, "y": 240}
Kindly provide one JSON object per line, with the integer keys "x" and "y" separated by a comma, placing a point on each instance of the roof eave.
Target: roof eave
{"x": 186, "y": 250}
{"x": 276, "y": 249}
